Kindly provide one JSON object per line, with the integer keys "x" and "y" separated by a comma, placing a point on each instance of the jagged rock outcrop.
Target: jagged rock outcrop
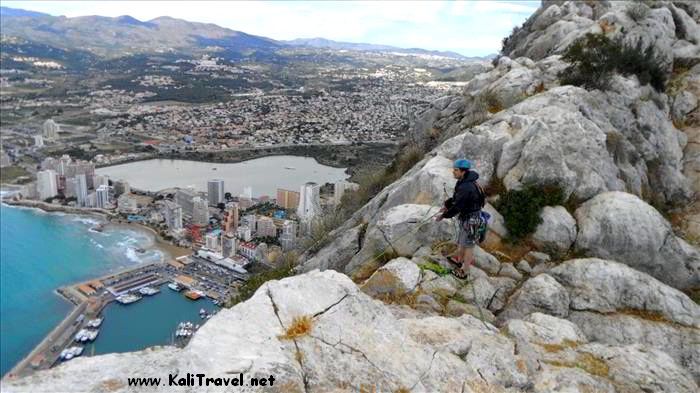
{"x": 615, "y": 304}
{"x": 622, "y": 227}
{"x": 351, "y": 340}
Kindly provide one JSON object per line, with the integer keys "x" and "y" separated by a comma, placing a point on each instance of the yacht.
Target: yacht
{"x": 95, "y": 323}
{"x": 148, "y": 291}
{"x": 174, "y": 287}
{"x": 128, "y": 298}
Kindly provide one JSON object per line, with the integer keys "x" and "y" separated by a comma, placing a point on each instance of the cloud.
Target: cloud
{"x": 467, "y": 27}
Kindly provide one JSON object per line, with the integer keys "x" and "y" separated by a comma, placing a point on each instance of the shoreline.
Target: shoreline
{"x": 159, "y": 243}
{"x": 346, "y": 156}
{"x": 76, "y": 304}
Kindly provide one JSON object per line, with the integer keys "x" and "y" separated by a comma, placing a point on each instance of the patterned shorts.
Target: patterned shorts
{"x": 469, "y": 230}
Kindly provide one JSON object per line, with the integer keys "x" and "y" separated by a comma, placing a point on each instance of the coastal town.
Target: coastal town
{"x": 67, "y": 120}
{"x": 222, "y": 239}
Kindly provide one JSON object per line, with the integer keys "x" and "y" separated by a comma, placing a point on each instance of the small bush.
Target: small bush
{"x": 637, "y": 11}
{"x": 595, "y": 58}
{"x": 320, "y": 227}
{"x": 492, "y": 102}
{"x": 521, "y": 208}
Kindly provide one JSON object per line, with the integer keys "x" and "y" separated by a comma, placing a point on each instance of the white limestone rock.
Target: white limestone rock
{"x": 539, "y": 294}
{"x": 398, "y": 277}
{"x": 622, "y": 227}
{"x": 606, "y": 286}
{"x": 557, "y": 231}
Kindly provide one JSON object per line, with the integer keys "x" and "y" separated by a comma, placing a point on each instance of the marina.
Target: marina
{"x": 138, "y": 292}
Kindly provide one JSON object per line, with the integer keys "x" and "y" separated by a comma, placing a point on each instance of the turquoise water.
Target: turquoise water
{"x": 150, "y": 321}
{"x": 40, "y": 252}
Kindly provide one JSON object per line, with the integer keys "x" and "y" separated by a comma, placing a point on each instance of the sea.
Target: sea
{"x": 40, "y": 252}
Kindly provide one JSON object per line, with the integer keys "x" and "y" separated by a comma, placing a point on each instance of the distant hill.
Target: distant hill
{"x": 6, "y": 11}
{"x": 125, "y": 35}
{"x": 338, "y": 45}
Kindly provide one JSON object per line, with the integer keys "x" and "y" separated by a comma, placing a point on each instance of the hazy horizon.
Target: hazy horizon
{"x": 470, "y": 28}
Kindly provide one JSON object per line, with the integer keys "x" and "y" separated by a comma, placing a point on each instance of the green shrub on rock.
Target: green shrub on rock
{"x": 521, "y": 208}
{"x": 595, "y": 58}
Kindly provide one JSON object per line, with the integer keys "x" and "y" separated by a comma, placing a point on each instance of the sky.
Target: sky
{"x": 471, "y": 28}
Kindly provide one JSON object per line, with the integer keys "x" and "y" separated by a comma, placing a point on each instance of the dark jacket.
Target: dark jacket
{"x": 466, "y": 199}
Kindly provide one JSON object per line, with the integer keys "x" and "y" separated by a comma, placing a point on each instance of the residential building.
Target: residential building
{"x": 173, "y": 215}
{"x": 38, "y": 140}
{"x": 250, "y": 221}
{"x": 47, "y": 186}
{"x": 230, "y": 221}
{"x": 121, "y": 187}
{"x": 71, "y": 188}
{"x": 215, "y": 191}
{"x": 127, "y": 204}
{"x": 184, "y": 198}
{"x": 91, "y": 200}
{"x": 228, "y": 245}
{"x": 244, "y": 232}
{"x": 102, "y": 197}
{"x": 51, "y": 130}
{"x": 287, "y": 199}
{"x": 247, "y": 249}
{"x": 265, "y": 227}
{"x": 100, "y": 180}
{"x": 288, "y": 237}
{"x": 211, "y": 241}
{"x": 200, "y": 211}
{"x": 309, "y": 201}
{"x": 81, "y": 190}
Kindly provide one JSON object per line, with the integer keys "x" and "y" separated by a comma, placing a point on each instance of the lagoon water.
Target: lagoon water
{"x": 40, "y": 252}
{"x": 264, "y": 175}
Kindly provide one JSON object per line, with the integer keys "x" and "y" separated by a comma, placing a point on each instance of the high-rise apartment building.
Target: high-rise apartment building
{"x": 46, "y": 183}
{"x": 200, "y": 211}
{"x": 309, "y": 201}
{"x": 102, "y": 196}
{"x": 173, "y": 215}
{"x": 81, "y": 190}
{"x": 215, "y": 191}
{"x": 287, "y": 199}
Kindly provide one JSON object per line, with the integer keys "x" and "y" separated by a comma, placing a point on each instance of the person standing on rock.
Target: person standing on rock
{"x": 466, "y": 203}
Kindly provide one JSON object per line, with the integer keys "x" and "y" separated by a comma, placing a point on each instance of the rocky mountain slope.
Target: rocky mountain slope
{"x": 596, "y": 300}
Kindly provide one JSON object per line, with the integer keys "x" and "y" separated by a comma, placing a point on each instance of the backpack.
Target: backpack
{"x": 485, "y": 217}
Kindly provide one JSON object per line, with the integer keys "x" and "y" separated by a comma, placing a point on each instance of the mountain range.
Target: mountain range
{"x": 111, "y": 37}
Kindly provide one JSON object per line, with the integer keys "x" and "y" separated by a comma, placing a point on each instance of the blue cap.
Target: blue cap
{"x": 463, "y": 164}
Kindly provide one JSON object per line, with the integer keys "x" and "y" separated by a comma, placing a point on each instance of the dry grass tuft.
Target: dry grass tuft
{"x": 408, "y": 299}
{"x": 402, "y": 390}
{"x": 587, "y": 363}
{"x": 539, "y": 88}
{"x": 559, "y": 347}
{"x": 301, "y": 326}
{"x": 644, "y": 314}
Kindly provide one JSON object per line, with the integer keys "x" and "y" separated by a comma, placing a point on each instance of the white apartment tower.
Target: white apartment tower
{"x": 215, "y": 191}
{"x": 200, "y": 211}
{"x": 47, "y": 186}
{"x": 102, "y": 196}
{"x": 228, "y": 245}
{"x": 173, "y": 216}
{"x": 51, "y": 130}
{"x": 309, "y": 201}
{"x": 81, "y": 190}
